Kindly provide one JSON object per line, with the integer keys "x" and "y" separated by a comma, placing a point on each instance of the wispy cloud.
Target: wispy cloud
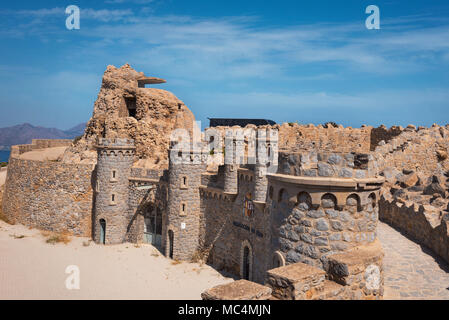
{"x": 240, "y": 63}
{"x": 243, "y": 48}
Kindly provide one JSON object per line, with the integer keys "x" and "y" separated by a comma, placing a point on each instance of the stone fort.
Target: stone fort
{"x": 301, "y": 225}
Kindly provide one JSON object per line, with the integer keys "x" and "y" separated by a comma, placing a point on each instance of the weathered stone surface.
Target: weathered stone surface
{"x": 157, "y": 114}
{"x": 238, "y": 290}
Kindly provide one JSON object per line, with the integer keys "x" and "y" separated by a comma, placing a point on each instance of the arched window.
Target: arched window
{"x": 304, "y": 201}
{"x": 246, "y": 261}
{"x": 283, "y": 195}
{"x": 353, "y": 202}
{"x": 329, "y": 201}
{"x": 372, "y": 200}
{"x": 278, "y": 260}
{"x": 102, "y": 231}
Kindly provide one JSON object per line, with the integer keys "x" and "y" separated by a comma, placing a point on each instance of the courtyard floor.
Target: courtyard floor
{"x": 411, "y": 271}
{"x": 30, "y": 268}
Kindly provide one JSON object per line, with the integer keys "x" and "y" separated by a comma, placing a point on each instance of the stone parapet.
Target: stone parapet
{"x": 297, "y": 281}
{"x": 417, "y": 223}
{"x": 314, "y": 163}
{"x": 360, "y": 270}
{"x": 37, "y": 144}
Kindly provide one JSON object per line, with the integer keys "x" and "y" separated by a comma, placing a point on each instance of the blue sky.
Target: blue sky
{"x": 305, "y": 61}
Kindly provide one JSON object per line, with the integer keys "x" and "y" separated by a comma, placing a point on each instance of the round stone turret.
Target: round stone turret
{"x": 115, "y": 159}
{"x": 181, "y": 228}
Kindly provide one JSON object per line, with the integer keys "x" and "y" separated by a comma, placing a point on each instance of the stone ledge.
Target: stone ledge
{"x": 143, "y": 179}
{"x": 238, "y": 290}
{"x": 321, "y": 181}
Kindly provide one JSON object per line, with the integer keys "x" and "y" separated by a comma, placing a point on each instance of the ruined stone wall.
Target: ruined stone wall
{"x": 417, "y": 222}
{"x": 297, "y": 138}
{"x": 328, "y": 164}
{"x": 383, "y": 134}
{"x": 156, "y": 114}
{"x": 49, "y": 195}
{"x": 424, "y": 150}
{"x": 39, "y": 144}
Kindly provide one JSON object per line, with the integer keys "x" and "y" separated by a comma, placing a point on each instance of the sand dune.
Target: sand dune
{"x": 30, "y": 268}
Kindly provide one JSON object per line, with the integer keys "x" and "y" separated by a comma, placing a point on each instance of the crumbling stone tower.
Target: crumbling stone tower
{"x": 110, "y": 220}
{"x": 181, "y": 230}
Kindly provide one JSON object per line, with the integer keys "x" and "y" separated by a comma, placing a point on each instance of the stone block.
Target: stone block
{"x": 238, "y": 290}
{"x": 297, "y": 281}
{"x": 364, "y": 262}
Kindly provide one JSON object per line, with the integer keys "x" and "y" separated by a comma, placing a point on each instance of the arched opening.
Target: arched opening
{"x": 329, "y": 201}
{"x": 278, "y": 260}
{"x": 372, "y": 200}
{"x": 246, "y": 261}
{"x": 102, "y": 231}
{"x": 353, "y": 202}
{"x": 246, "y": 258}
{"x": 283, "y": 195}
{"x": 304, "y": 201}
{"x": 153, "y": 227}
{"x": 131, "y": 106}
{"x": 171, "y": 239}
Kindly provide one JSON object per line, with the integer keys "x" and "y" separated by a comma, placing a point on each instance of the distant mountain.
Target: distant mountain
{"x": 24, "y": 133}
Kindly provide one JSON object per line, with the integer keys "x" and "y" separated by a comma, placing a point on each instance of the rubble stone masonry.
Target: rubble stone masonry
{"x": 49, "y": 195}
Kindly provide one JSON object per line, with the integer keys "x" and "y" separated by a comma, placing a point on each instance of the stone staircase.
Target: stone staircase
{"x": 352, "y": 275}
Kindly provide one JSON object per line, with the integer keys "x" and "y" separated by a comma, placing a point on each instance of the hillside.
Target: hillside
{"x": 24, "y": 133}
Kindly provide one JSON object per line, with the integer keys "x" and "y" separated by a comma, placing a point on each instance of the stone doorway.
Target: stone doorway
{"x": 171, "y": 239}
{"x": 102, "y": 231}
{"x": 246, "y": 266}
{"x": 153, "y": 228}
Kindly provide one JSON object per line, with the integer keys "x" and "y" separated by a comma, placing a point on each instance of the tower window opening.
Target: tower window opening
{"x": 131, "y": 105}
{"x": 184, "y": 182}
{"x": 183, "y": 209}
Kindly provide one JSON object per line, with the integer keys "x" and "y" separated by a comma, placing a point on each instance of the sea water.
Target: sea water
{"x": 4, "y": 155}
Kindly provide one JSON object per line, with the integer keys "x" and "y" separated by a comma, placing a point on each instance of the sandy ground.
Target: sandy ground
{"x": 30, "y": 268}
{"x": 49, "y": 154}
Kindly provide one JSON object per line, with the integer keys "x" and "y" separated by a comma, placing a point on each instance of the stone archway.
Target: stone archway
{"x": 246, "y": 261}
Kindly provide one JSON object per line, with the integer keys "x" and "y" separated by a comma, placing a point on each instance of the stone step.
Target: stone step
{"x": 331, "y": 291}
